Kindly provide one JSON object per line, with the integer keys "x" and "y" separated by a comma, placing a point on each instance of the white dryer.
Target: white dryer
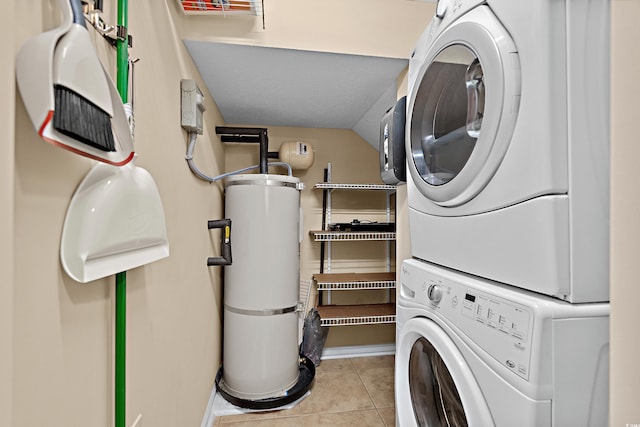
{"x": 470, "y": 352}
{"x": 507, "y": 142}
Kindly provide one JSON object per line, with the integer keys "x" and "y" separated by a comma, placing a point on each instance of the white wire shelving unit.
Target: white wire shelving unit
{"x": 356, "y": 314}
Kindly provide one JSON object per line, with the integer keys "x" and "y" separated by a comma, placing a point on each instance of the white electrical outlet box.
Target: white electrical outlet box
{"x": 192, "y": 106}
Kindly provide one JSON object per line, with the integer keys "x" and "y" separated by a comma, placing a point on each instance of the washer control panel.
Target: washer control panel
{"x": 502, "y": 316}
{"x": 481, "y": 312}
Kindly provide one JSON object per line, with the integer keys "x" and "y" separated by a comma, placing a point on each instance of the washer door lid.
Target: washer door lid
{"x": 463, "y": 111}
{"x": 441, "y": 386}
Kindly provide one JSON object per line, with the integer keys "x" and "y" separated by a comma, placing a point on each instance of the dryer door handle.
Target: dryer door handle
{"x": 474, "y": 81}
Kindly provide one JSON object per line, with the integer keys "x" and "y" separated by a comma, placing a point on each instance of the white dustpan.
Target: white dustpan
{"x": 115, "y": 222}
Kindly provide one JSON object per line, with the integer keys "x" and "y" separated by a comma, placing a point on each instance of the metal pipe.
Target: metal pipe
{"x": 324, "y": 221}
{"x": 255, "y": 135}
{"x": 264, "y": 149}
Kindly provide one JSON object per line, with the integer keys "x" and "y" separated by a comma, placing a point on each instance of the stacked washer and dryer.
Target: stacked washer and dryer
{"x": 502, "y": 312}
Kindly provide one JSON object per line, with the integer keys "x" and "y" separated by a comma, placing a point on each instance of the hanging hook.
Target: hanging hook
{"x": 93, "y": 14}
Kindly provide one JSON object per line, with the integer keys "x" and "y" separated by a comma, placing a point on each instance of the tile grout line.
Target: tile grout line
{"x": 380, "y": 416}
{"x": 365, "y": 388}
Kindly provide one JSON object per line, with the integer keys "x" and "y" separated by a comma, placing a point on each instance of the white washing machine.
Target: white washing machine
{"x": 470, "y": 352}
{"x": 508, "y": 144}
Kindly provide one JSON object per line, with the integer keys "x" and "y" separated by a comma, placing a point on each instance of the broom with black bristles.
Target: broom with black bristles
{"x": 79, "y": 118}
{"x": 71, "y": 100}
{"x": 75, "y": 115}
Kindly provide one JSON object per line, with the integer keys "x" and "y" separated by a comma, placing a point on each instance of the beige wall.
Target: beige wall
{"x": 625, "y": 214}
{"x": 7, "y": 114}
{"x": 62, "y": 332}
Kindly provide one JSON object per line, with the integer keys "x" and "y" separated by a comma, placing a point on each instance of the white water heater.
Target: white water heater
{"x": 261, "y": 290}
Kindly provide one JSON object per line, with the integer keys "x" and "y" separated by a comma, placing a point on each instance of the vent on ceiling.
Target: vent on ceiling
{"x": 221, "y": 7}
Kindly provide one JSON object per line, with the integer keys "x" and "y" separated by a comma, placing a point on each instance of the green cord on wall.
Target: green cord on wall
{"x": 122, "y": 83}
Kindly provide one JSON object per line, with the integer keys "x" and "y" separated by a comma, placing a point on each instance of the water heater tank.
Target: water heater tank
{"x": 261, "y": 290}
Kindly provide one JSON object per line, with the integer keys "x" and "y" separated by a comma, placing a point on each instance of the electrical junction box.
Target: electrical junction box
{"x": 192, "y": 106}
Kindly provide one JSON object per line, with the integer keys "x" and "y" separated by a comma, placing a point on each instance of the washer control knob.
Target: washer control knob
{"x": 434, "y": 293}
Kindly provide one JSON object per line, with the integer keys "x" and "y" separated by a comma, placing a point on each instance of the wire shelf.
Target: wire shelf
{"x": 221, "y": 7}
{"x": 332, "y": 236}
{"x": 355, "y": 285}
{"x": 336, "y": 186}
{"x": 346, "y": 321}
{"x": 372, "y": 314}
{"x": 354, "y": 281}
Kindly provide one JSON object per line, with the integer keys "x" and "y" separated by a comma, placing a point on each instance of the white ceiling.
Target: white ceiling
{"x": 262, "y": 86}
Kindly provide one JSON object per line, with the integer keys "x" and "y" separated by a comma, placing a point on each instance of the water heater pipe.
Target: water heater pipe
{"x": 253, "y": 135}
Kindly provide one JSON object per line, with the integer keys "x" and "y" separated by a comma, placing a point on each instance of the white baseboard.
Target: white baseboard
{"x": 209, "y": 417}
{"x": 358, "y": 351}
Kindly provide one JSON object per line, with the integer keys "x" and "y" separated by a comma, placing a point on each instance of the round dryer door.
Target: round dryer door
{"x": 434, "y": 386}
{"x": 463, "y": 108}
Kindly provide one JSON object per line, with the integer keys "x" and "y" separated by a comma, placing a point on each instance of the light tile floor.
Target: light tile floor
{"x": 346, "y": 392}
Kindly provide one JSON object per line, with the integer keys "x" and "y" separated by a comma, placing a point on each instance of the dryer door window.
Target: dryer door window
{"x": 434, "y": 396}
{"x": 462, "y": 108}
{"x": 447, "y": 117}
